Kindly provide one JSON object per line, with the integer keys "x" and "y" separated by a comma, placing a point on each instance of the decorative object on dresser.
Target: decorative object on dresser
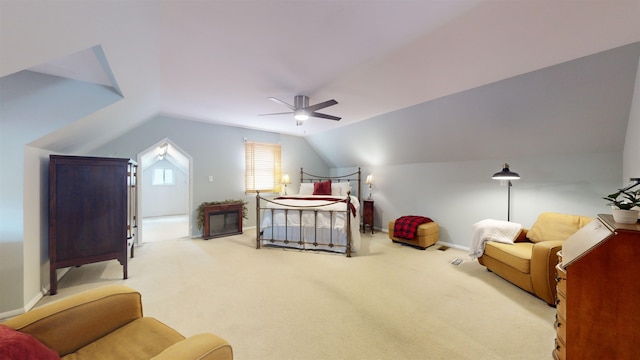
{"x": 529, "y": 262}
{"x": 598, "y": 292}
{"x": 418, "y": 231}
{"x": 92, "y": 211}
{"x": 324, "y": 215}
{"x": 626, "y": 202}
{"x": 221, "y": 218}
{"x": 367, "y": 214}
{"x": 506, "y": 175}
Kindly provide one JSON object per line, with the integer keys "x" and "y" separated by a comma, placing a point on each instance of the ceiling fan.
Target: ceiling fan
{"x": 303, "y": 111}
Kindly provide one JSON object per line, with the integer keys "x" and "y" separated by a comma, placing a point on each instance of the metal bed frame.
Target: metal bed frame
{"x": 313, "y": 242}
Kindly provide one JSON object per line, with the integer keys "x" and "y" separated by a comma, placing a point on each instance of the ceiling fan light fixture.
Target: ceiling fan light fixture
{"x": 301, "y": 115}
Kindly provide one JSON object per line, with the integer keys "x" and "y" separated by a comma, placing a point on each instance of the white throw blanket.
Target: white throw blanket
{"x": 491, "y": 230}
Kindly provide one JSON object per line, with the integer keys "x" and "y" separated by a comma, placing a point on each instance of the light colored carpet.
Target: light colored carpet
{"x": 389, "y": 301}
{"x": 165, "y": 227}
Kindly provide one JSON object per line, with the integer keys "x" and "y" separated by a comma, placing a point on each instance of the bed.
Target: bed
{"x": 323, "y": 216}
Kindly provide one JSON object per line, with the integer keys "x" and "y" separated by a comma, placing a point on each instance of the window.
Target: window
{"x": 263, "y": 167}
{"x": 162, "y": 177}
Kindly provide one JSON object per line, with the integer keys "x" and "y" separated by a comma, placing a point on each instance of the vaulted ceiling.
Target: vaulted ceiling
{"x": 383, "y": 61}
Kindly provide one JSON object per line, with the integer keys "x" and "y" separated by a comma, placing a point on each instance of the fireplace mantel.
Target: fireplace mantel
{"x": 222, "y": 220}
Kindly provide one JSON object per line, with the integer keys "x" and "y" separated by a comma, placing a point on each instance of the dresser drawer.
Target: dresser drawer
{"x": 560, "y": 325}
{"x": 560, "y": 352}
{"x": 561, "y": 328}
{"x": 561, "y": 305}
{"x": 561, "y": 278}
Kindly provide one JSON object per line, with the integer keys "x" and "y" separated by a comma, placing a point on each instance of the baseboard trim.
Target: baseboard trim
{"x": 451, "y": 245}
{"x": 28, "y": 306}
{"x": 455, "y": 246}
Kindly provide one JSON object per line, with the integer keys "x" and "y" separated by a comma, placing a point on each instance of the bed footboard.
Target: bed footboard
{"x": 304, "y": 227}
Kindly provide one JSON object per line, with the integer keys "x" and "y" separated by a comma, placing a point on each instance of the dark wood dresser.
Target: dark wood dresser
{"x": 598, "y": 311}
{"x": 92, "y": 211}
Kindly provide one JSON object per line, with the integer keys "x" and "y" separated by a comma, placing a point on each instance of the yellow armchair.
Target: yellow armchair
{"x": 530, "y": 262}
{"x": 107, "y": 323}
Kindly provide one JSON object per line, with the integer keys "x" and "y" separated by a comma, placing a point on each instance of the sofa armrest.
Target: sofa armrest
{"x": 543, "y": 269}
{"x": 71, "y": 323}
{"x": 204, "y": 346}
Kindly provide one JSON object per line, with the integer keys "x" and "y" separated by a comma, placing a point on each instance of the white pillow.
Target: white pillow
{"x": 306, "y": 189}
{"x": 340, "y": 188}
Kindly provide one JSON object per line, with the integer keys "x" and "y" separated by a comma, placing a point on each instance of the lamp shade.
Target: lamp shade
{"x": 505, "y": 174}
{"x": 369, "y": 180}
{"x": 286, "y": 179}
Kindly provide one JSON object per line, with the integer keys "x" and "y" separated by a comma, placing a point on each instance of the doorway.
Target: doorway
{"x": 164, "y": 193}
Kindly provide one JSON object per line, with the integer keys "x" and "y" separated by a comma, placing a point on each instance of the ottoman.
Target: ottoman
{"x": 426, "y": 236}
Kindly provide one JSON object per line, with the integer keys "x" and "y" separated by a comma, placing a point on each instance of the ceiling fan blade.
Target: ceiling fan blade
{"x": 283, "y": 103}
{"x": 321, "y": 105}
{"x": 302, "y": 107}
{"x": 284, "y": 113}
{"x": 325, "y": 116}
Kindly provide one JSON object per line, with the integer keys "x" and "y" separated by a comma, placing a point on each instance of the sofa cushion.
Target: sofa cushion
{"x": 143, "y": 338}
{"x": 17, "y": 345}
{"x": 554, "y": 226}
{"x": 517, "y": 255}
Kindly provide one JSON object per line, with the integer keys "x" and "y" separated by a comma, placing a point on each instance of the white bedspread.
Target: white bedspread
{"x": 491, "y": 230}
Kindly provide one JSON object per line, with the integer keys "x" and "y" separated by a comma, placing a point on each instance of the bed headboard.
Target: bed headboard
{"x": 353, "y": 177}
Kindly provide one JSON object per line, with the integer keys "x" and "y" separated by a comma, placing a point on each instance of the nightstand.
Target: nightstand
{"x": 367, "y": 215}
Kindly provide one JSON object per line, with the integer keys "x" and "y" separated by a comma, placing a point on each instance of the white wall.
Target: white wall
{"x": 36, "y": 229}
{"x": 53, "y": 115}
{"x": 217, "y": 151}
{"x": 458, "y": 194}
{"x": 33, "y": 105}
{"x": 163, "y": 200}
{"x": 631, "y": 161}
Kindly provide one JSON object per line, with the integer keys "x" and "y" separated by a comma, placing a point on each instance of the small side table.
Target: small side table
{"x": 367, "y": 215}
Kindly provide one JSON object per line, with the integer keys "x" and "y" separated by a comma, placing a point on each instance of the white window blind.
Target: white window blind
{"x": 263, "y": 167}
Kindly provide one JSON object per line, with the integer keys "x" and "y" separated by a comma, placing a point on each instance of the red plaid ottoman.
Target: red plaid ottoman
{"x": 427, "y": 235}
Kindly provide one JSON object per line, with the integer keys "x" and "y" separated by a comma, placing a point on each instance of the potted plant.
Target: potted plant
{"x": 624, "y": 201}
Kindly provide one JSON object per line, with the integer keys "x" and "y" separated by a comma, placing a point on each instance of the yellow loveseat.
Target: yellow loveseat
{"x": 530, "y": 261}
{"x": 107, "y": 323}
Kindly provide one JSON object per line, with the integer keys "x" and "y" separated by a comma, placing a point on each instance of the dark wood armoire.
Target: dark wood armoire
{"x": 92, "y": 211}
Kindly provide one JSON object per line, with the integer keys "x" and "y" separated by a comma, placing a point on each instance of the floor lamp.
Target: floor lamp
{"x": 507, "y": 175}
